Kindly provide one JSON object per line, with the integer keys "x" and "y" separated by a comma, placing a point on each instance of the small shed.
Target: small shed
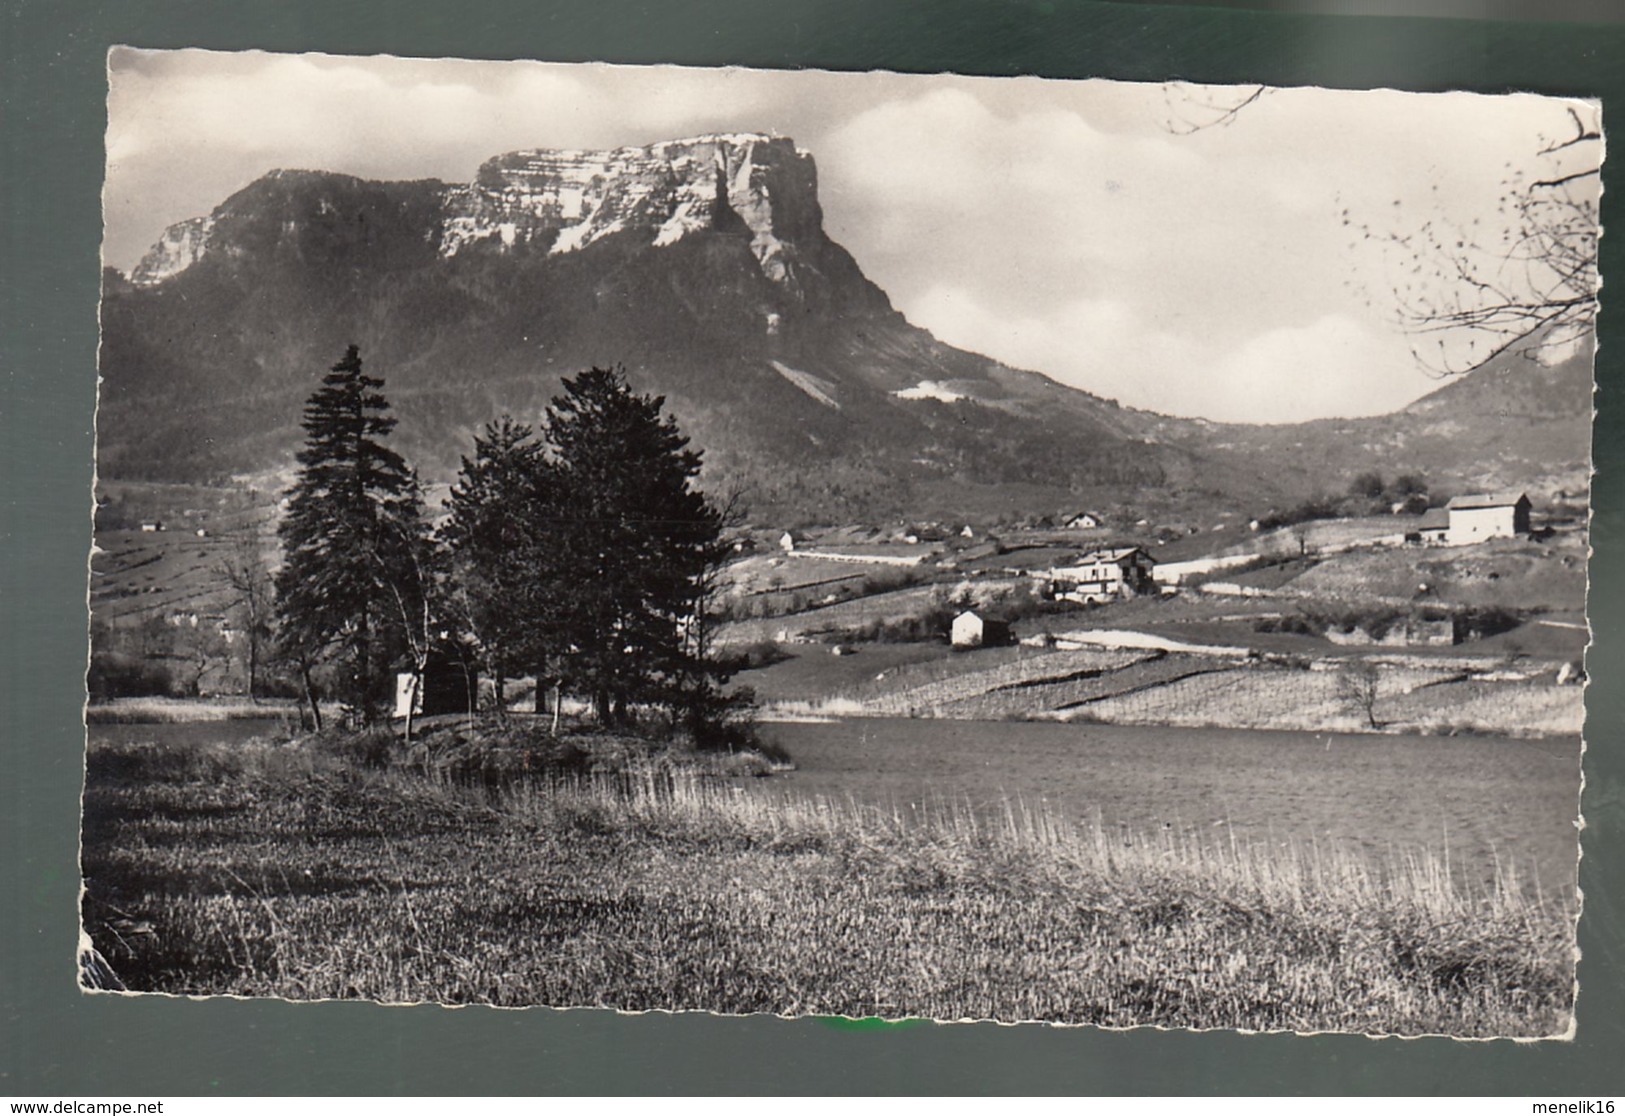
{"x": 978, "y": 629}
{"x": 448, "y": 684}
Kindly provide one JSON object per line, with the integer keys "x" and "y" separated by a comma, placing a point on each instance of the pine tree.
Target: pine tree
{"x": 500, "y": 496}
{"x": 352, "y": 584}
{"x": 624, "y": 552}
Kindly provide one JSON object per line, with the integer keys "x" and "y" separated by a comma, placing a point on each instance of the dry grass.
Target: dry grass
{"x": 267, "y": 869}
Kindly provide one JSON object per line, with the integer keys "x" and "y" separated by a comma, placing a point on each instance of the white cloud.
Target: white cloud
{"x": 1332, "y": 365}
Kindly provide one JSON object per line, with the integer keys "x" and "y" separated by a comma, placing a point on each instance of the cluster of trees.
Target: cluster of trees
{"x": 1407, "y": 491}
{"x": 1368, "y": 493}
{"x": 581, "y": 554}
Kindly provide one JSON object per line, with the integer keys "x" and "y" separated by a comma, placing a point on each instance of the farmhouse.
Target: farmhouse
{"x": 1084, "y": 521}
{"x": 974, "y": 629}
{"x": 1491, "y": 515}
{"x": 1103, "y": 575}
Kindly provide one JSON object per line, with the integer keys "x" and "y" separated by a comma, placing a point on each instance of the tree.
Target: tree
{"x": 1525, "y": 283}
{"x": 1367, "y": 486}
{"x": 624, "y": 550}
{"x": 1522, "y": 280}
{"x": 500, "y": 496}
{"x": 244, "y": 572}
{"x": 1360, "y": 685}
{"x": 351, "y": 539}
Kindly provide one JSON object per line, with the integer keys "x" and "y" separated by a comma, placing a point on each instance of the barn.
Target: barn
{"x": 1488, "y": 515}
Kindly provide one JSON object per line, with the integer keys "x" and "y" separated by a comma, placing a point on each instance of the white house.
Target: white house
{"x": 1104, "y": 575}
{"x": 1488, "y": 515}
{"x": 1084, "y": 521}
{"x": 972, "y": 629}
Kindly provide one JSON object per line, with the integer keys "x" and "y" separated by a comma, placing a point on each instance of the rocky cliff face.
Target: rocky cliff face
{"x": 181, "y": 246}
{"x": 757, "y": 186}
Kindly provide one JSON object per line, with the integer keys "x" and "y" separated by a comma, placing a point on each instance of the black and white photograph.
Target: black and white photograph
{"x": 867, "y": 544}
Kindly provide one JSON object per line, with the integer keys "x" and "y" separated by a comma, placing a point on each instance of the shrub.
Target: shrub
{"x": 114, "y": 675}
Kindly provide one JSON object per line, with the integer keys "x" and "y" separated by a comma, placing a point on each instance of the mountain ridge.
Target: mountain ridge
{"x": 700, "y": 265}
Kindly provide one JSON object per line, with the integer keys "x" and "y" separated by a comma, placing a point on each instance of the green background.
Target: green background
{"x": 55, "y": 1042}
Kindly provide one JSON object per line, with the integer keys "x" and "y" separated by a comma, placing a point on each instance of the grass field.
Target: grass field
{"x": 1483, "y": 804}
{"x": 268, "y": 869}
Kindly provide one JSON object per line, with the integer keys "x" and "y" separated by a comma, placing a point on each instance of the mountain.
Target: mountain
{"x": 700, "y": 265}
{"x": 1519, "y": 421}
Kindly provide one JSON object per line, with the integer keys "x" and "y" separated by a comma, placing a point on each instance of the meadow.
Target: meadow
{"x": 260, "y": 866}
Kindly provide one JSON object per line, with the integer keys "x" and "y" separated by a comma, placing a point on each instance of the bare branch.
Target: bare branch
{"x": 1221, "y": 113}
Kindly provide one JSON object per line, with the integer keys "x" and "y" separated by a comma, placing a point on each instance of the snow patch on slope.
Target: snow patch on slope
{"x": 931, "y": 389}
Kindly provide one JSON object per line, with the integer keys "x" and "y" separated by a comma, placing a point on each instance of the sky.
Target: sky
{"x": 1076, "y": 228}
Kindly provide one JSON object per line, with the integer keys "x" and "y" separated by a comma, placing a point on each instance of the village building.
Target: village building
{"x": 788, "y": 540}
{"x": 1490, "y": 515}
{"x": 1084, "y": 521}
{"x": 151, "y": 525}
{"x": 1103, "y": 575}
{"x": 976, "y": 629}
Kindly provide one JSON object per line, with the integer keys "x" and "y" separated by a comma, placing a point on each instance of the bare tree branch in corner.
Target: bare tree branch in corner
{"x": 1523, "y": 281}
{"x": 1526, "y": 283}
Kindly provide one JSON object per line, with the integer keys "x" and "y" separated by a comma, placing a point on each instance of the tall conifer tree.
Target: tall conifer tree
{"x": 352, "y": 582}
{"x": 500, "y": 497}
{"x": 624, "y": 548}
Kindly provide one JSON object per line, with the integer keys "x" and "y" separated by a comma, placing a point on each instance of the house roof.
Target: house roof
{"x": 1434, "y": 518}
{"x": 1115, "y": 555}
{"x": 1487, "y": 500}
{"x": 982, "y": 615}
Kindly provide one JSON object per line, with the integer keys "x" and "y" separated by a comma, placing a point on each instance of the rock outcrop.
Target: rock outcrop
{"x": 181, "y": 246}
